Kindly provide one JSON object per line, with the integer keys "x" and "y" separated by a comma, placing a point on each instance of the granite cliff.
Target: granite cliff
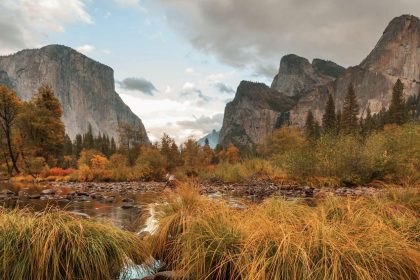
{"x": 307, "y": 85}
{"x": 84, "y": 87}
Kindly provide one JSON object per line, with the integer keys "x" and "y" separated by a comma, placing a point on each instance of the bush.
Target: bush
{"x": 56, "y": 245}
{"x": 151, "y": 164}
{"x": 393, "y": 154}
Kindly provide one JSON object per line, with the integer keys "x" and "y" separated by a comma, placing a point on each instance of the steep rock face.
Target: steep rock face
{"x": 253, "y": 114}
{"x": 297, "y": 76}
{"x": 396, "y": 55}
{"x": 84, "y": 87}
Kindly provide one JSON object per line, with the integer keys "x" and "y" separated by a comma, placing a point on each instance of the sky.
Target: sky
{"x": 178, "y": 62}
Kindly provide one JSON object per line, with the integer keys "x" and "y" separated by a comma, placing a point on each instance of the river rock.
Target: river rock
{"x": 7, "y": 192}
{"x": 35, "y": 196}
{"x": 127, "y": 205}
{"x": 48, "y": 192}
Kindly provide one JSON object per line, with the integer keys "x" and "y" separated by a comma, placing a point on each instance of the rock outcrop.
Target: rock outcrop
{"x": 253, "y": 114}
{"x": 307, "y": 85}
{"x": 85, "y": 87}
{"x": 297, "y": 76}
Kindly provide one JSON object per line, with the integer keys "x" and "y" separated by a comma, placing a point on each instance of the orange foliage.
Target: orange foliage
{"x": 58, "y": 171}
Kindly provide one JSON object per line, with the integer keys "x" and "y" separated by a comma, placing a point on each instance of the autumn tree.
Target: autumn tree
{"x": 170, "y": 152}
{"x": 9, "y": 108}
{"x": 131, "y": 138}
{"x": 329, "y": 119}
{"x": 396, "y": 111}
{"x": 350, "y": 111}
{"x": 192, "y": 157}
{"x": 41, "y": 127}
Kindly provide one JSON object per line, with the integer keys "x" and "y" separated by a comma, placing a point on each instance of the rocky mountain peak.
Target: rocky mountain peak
{"x": 297, "y": 75}
{"x": 85, "y": 87}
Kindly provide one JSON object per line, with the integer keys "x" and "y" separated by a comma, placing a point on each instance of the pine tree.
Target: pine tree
{"x": 68, "y": 146}
{"x": 311, "y": 126}
{"x": 88, "y": 141}
{"x": 396, "y": 112}
{"x": 338, "y": 121}
{"x": 78, "y": 145}
{"x": 329, "y": 119}
{"x": 350, "y": 111}
{"x": 368, "y": 122}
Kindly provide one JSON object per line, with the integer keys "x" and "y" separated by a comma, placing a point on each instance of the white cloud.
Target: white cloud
{"x": 85, "y": 49}
{"x": 25, "y": 23}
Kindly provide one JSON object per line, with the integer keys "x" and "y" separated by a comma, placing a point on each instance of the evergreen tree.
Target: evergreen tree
{"x": 78, "y": 145}
{"x": 368, "y": 122}
{"x": 329, "y": 119}
{"x": 311, "y": 126}
{"x": 88, "y": 141}
{"x": 206, "y": 142}
{"x": 350, "y": 111}
{"x": 338, "y": 121}
{"x": 68, "y": 146}
{"x": 112, "y": 147}
{"x": 396, "y": 112}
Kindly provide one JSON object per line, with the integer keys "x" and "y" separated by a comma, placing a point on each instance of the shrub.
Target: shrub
{"x": 151, "y": 164}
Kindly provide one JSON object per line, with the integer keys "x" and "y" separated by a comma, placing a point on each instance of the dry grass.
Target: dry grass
{"x": 57, "y": 245}
{"x": 341, "y": 238}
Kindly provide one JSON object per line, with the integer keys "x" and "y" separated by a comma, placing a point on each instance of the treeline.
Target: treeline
{"x": 347, "y": 121}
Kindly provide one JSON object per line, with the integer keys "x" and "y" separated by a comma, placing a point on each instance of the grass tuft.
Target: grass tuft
{"x": 341, "y": 238}
{"x": 57, "y": 245}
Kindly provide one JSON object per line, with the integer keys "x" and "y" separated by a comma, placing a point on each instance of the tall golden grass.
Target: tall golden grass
{"x": 341, "y": 238}
{"x": 56, "y": 245}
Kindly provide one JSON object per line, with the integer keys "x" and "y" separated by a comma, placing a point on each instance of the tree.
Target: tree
{"x": 9, "y": 108}
{"x": 131, "y": 138}
{"x": 192, "y": 157}
{"x": 311, "y": 126}
{"x": 41, "y": 128}
{"x": 396, "y": 112}
{"x": 78, "y": 145}
{"x": 338, "y": 122}
{"x": 350, "y": 111}
{"x": 68, "y": 146}
{"x": 169, "y": 151}
{"x": 329, "y": 119}
{"x": 368, "y": 122}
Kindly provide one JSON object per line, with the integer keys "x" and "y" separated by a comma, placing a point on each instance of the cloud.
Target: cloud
{"x": 24, "y": 23}
{"x": 138, "y": 84}
{"x": 248, "y": 33}
{"x": 190, "y": 90}
{"x": 86, "y": 49}
{"x": 189, "y": 71}
{"x": 223, "y": 88}
{"x": 203, "y": 123}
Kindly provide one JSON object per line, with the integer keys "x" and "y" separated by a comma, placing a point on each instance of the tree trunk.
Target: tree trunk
{"x": 9, "y": 146}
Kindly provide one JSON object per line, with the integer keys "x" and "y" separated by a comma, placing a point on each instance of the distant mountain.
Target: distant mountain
{"x": 85, "y": 88}
{"x": 213, "y": 138}
{"x": 300, "y": 86}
